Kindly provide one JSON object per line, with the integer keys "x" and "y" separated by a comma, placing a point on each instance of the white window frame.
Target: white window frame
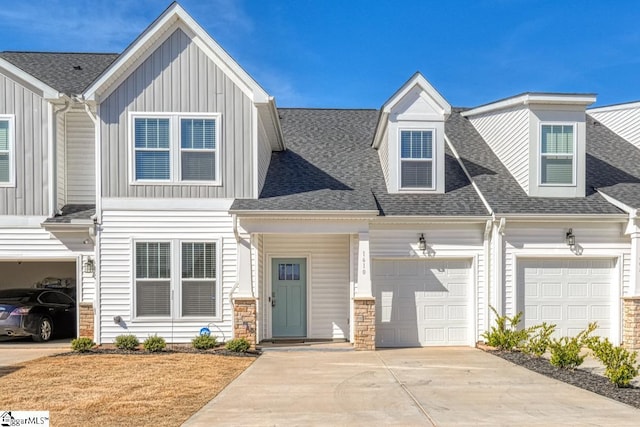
{"x": 175, "y": 283}
{"x": 134, "y": 280}
{"x": 175, "y": 148}
{"x": 12, "y": 150}
{"x": 432, "y": 160}
{"x": 218, "y": 287}
{"x": 573, "y": 155}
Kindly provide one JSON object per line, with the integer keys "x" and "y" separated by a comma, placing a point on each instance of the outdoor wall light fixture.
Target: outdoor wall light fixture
{"x": 89, "y": 266}
{"x": 570, "y": 239}
{"x": 422, "y": 244}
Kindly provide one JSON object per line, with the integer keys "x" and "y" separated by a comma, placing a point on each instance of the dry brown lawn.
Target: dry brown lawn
{"x": 118, "y": 390}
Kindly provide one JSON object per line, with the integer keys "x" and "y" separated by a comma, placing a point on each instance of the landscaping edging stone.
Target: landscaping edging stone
{"x": 578, "y": 377}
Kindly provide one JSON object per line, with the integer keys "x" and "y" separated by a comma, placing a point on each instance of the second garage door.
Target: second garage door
{"x": 568, "y": 293}
{"x": 422, "y": 303}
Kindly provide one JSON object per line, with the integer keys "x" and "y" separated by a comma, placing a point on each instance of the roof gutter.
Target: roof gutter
{"x": 304, "y": 214}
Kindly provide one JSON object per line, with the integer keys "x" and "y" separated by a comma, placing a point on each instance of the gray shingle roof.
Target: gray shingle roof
{"x": 330, "y": 165}
{"x": 501, "y": 190}
{"x": 613, "y": 164}
{"x": 69, "y": 73}
{"x": 71, "y": 213}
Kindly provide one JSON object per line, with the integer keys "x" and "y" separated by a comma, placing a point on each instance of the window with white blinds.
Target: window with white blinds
{"x": 6, "y": 151}
{"x": 175, "y": 148}
{"x": 557, "y": 154}
{"x": 416, "y": 159}
{"x": 153, "y": 279}
{"x": 196, "y": 287}
{"x": 198, "y": 283}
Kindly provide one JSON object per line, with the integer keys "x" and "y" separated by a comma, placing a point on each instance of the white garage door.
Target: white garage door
{"x": 422, "y": 303}
{"x": 569, "y": 293}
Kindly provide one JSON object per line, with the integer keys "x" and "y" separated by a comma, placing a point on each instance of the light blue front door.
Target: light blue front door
{"x": 289, "y": 297}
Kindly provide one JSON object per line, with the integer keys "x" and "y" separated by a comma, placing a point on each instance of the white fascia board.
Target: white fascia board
{"x": 290, "y": 214}
{"x": 178, "y": 204}
{"x": 563, "y": 217}
{"x": 175, "y": 13}
{"x": 617, "y": 203}
{"x": 269, "y": 114}
{"x": 47, "y": 91}
{"x": 381, "y": 129}
{"x": 431, "y": 219}
{"x": 615, "y": 107}
{"x": 72, "y": 227}
{"x": 531, "y": 99}
{"x": 418, "y": 80}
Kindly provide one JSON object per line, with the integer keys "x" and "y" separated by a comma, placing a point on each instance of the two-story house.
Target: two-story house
{"x": 179, "y": 197}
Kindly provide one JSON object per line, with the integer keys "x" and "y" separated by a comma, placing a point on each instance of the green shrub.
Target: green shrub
{"x": 154, "y": 344}
{"x": 238, "y": 345}
{"x": 565, "y": 352}
{"x": 82, "y": 345}
{"x": 506, "y": 335}
{"x": 620, "y": 363}
{"x": 127, "y": 342}
{"x": 539, "y": 339}
{"x": 204, "y": 342}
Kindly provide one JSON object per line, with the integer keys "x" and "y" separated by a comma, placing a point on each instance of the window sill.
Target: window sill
{"x": 203, "y": 320}
{"x": 178, "y": 183}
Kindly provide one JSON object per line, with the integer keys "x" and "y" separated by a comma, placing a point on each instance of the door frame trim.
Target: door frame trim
{"x": 269, "y": 287}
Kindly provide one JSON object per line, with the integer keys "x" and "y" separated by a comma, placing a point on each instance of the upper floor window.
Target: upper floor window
{"x": 416, "y": 159}
{"x": 6, "y": 151}
{"x": 176, "y": 148}
{"x": 557, "y": 145}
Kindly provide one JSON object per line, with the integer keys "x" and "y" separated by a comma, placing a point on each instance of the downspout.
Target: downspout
{"x": 487, "y": 272}
{"x": 97, "y": 222}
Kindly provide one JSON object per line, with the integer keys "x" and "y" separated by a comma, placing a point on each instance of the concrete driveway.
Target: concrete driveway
{"x": 427, "y": 386}
{"x": 18, "y": 350}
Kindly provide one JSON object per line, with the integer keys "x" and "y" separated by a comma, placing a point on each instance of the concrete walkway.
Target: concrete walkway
{"x": 15, "y": 351}
{"x": 335, "y": 385}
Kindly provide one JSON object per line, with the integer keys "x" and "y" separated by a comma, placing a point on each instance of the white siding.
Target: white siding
{"x": 61, "y": 153}
{"x": 383, "y": 154}
{"x": 264, "y": 154}
{"x": 328, "y": 279}
{"x": 507, "y": 133}
{"x": 547, "y": 240}
{"x": 80, "y": 159}
{"x": 116, "y": 287}
{"x": 624, "y": 122}
{"x": 445, "y": 241}
{"x": 31, "y": 243}
{"x": 87, "y": 292}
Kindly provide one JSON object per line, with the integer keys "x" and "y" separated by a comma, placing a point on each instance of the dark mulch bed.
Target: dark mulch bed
{"x": 218, "y": 351}
{"x": 578, "y": 377}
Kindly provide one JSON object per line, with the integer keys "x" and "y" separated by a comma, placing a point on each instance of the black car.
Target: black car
{"x": 39, "y": 313}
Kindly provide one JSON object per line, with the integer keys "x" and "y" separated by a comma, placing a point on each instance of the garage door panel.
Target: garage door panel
{"x": 421, "y": 302}
{"x": 570, "y": 293}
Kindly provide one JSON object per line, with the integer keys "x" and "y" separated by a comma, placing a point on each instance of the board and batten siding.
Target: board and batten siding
{"x": 547, "y": 241}
{"x": 623, "y": 121}
{"x": 459, "y": 241}
{"x": 120, "y": 229}
{"x": 80, "y": 159}
{"x": 30, "y": 194}
{"x": 327, "y": 282}
{"x": 507, "y": 133}
{"x": 264, "y": 154}
{"x": 178, "y": 78}
{"x": 61, "y": 153}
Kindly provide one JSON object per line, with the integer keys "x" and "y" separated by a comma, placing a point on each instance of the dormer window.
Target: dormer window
{"x": 557, "y": 148}
{"x": 416, "y": 159}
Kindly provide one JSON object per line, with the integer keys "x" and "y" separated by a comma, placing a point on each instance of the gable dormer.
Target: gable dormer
{"x": 540, "y": 138}
{"x": 410, "y": 138}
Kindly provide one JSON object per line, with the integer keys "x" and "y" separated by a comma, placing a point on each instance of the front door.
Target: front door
{"x": 289, "y": 297}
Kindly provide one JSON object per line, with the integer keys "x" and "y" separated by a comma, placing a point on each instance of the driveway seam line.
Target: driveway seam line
{"x": 407, "y": 391}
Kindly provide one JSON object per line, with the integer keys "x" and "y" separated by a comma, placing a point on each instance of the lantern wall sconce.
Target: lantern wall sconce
{"x": 570, "y": 239}
{"x": 89, "y": 266}
{"x": 422, "y": 244}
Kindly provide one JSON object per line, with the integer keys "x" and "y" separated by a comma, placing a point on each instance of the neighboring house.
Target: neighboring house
{"x": 210, "y": 207}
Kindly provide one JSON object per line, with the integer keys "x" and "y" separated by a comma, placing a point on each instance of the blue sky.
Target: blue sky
{"x": 356, "y": 53}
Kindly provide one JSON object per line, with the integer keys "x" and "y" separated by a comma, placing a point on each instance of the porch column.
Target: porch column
{"x": 631, "y": 303}
{"x": 244, "y": 301}
{"x": 364, "y": 303}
